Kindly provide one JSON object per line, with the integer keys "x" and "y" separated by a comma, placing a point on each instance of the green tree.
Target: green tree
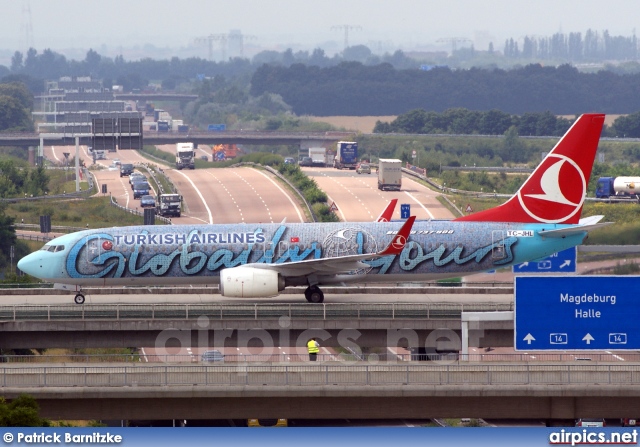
{"x": 13, "y": 116}
{"x": 8, "y": 236}
{"x": 23, "y": 411}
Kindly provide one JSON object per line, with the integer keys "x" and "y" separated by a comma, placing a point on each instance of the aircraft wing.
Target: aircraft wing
{"x": 340, "y": 264}
{"x": 586, "y": 224}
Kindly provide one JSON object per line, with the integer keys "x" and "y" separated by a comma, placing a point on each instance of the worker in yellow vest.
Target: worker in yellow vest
{"x": 313, "y": 347}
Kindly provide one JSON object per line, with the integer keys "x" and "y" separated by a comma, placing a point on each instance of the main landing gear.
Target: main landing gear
{"x": 79, "y": 298}
{"x": 313, "y": 294}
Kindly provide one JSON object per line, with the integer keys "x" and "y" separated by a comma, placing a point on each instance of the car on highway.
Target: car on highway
{"x": 126, "y": 169}
{"x": 591, "y": 422}
{"x": 627, "y": 422}
{"x": 141, "y": 189}
{"x": 212, "y": 355}
{"x": 289, "y": 161}
{"x": 363, "y": 168}
{"x": 136, "y": 177}
{"x": 267, "y": 423}
{"x": 147, "y": 201}
{"x": 306, "y": 161}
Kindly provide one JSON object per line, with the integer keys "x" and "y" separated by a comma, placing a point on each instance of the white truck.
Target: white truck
{"x": 318, "y": 156}
{"x": 169, "y": 205}
{"x": 389, "y": 174}
{"x": 185, "y": 156}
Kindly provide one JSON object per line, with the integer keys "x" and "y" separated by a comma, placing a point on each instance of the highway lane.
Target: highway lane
{"x": 359, "y": 200}
{"x": 232, "y": 195}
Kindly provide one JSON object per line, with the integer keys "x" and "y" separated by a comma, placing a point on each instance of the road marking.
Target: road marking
{"x": 53, "y": 149}
{"x": 339, "y": 208}
{"x": 418, "y": 202}
{"x": 286, "y": 195}
{"x": 199, "y": 194}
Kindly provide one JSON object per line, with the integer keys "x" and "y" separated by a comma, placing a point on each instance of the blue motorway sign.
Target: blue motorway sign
{"x": 405, "y": 211}
{"x": 577, "y": 313}
{"x": 561, "y": 262}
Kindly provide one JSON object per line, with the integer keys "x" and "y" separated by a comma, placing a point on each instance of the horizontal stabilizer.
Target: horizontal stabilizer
{"x": 586, "y": 224}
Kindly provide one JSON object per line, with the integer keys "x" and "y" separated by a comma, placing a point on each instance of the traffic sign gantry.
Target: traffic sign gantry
{"x": 562, "y": 262}
{"x": 577, "y": 313}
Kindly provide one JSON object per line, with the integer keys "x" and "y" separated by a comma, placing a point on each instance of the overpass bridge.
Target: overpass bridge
{"x": 328, "y": 390}
{"x": 253, "y": 325}
{"x": 159, "y": 138}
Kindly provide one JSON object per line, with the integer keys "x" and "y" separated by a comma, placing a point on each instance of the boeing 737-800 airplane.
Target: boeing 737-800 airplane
{"x": 260, "y": 260}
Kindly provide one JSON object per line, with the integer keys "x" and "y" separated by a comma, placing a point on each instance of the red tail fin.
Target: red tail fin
{"x": 387, "y": 213}
{"x": 555, "y": 191}
{"x": 398, "y": 242}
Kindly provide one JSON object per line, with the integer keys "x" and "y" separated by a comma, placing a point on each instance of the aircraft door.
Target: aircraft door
{"x": 283, "y": 246}
{"x": 267, "y": 253}
{"x": 94, "y": 248}
{"x": 497, "y": 238}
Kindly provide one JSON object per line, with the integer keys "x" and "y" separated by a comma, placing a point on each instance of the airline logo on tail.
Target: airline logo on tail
{"x": 556, "y": 190}
{"x": 560, "y": 183}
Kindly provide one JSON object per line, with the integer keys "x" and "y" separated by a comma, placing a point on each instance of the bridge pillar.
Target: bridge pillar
{"x": 40, "y": 157}
{"x": 32, "y": 155}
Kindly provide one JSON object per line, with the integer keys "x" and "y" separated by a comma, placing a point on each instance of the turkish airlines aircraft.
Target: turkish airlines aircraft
{"x": 260, "y": 260}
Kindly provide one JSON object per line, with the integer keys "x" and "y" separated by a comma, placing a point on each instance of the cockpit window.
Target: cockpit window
{"x": 53, "y": 248}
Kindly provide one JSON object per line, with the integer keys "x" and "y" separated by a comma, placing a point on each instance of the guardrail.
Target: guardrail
{"x": 113, "y": 202}
{"x": 324, "y": 311}
{"x": 317, "y": 374}
{"x": 33, "y": 237}
{"x": 295, "y": 357}
{"x": 54, "y": 228}
{"x": 70, "y": 195}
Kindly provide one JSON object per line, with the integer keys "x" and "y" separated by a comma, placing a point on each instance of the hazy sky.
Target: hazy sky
{"x": 110, "y": 26}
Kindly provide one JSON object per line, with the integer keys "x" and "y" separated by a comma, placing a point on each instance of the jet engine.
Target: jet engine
{"x": 248, "y": 282}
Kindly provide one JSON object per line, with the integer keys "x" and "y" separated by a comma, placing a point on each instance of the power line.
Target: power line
{"x": 346, "y": 29}
{"x": 234, "y": 36}
{"x": 454, "y": 41}
{"x": 27, "y": 26}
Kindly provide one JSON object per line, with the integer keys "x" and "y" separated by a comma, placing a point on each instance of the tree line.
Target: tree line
{"x": 462, "y": 121}
{"x": 468, "y": 122}
{"x": 352, "y": 88}
{"x": 592, "y": 47}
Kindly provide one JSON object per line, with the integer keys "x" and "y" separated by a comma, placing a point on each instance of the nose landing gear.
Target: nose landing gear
{"x": 79, "y": 298}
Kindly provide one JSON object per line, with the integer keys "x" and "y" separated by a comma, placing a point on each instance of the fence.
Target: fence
{"x": 320, "y": 374}
{"x": 324, "y": 311}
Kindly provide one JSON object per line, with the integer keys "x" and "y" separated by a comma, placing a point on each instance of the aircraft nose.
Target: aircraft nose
{"x": 36, "y": 265}
{"x": 29, "y": 264}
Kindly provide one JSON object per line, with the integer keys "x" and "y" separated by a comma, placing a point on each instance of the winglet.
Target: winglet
{"x": 387, "y": 213}
{"x": 398, "y": 242}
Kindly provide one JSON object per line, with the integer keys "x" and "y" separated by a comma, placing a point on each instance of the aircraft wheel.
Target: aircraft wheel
{"x": 79, "y": 298}
{"x": 314, "y": 295}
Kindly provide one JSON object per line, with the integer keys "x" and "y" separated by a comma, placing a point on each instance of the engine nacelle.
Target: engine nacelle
{"x": 248, "y": 282}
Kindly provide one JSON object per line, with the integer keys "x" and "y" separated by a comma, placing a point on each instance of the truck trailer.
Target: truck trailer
{"x": 620, "y": 187}
{"x": 185, "y": 155}
{"x": 389, "y": 174}
{"x": 318, "y": 156}
{"x": 346, "y": 155}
